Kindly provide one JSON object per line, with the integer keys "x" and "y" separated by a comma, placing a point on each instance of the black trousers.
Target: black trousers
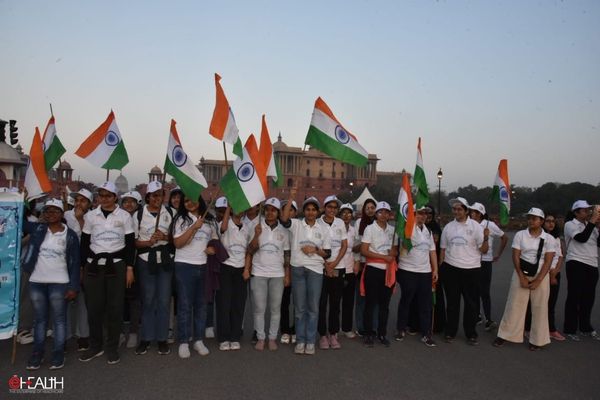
{"x": 485, "y": 283}
{"x": 581, "y": 292}
{"x": 460, "y": 282}
{"x": 331, "y": 293}
{"x": 376, "y": 294}
{"x": 348, "y": 301}
{"x": 416, "y": 292}
{"x": 104, "y": 298}
{"x": 284, "y": 322}
{"x": 554, "y": 289}
{"x": 231, "y": 300}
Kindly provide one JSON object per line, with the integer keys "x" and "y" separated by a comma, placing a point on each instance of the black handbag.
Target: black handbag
{"x": 528, "y": 268}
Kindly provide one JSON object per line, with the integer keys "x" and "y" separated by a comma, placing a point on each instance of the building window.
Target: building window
{"x": 321, "y": 163}
{"x": 307, "y": 172}
{"x": 290, "y": 182}
{"x": 333, "y": 174}
{"x": 307, "y": 161}
{"x": 320, "y": 173}
{"x": 333, "y": 186}
{"x": 342, "y": 174}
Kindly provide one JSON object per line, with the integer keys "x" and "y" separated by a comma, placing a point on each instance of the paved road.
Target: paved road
{"x": 406, "y": 370}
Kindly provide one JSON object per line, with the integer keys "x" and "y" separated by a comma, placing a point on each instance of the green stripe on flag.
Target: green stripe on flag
{"x": 321, "y": 141}
{"x": 238, "y": 148}
{"x": 279, "y": 178}
{"x": 53, "y": 153}
{"x": 190, "y": 187}
{"x": 118, "y": 158}
{"x": 234, "y": 192}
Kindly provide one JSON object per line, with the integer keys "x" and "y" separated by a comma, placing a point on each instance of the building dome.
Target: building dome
{"x": 156, "y": 170}
{"x": 64, "y": 165}
{"x": 8, "y": 155}
{"x": 122, "y": 184}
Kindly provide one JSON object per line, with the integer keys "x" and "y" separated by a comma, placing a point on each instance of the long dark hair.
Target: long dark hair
{"x": 556, "y": 231}
{"x": 183, "y": 213}
{"x": 365, "y": 220}
{"x": 433, "y": 226}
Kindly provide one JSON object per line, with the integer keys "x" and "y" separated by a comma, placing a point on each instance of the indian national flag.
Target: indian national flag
{"x": 222, "y": 125}
{"x": 180, "y": 167}
{"x": 405, "y": 217}
{"x": 328, "y": 135}
{"x": 419, "y": 180}
{"x": 266, "y": 152}
{"x": 53, "y": 148}
{"x": 104, "y": 148}
{"x": 501, "y": 191}
{"x": 36, "y": 178}
{"x": 244, "y": 185}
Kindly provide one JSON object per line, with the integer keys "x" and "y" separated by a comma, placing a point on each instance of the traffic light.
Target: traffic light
{"x": 2, "y": 130}
{"x": 13, "y": 132}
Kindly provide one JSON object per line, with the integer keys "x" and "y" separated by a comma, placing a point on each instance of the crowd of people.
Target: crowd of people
{"x": 118, "y": 271}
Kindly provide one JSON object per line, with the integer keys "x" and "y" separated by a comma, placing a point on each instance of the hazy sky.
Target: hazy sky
{"x": 478, "y": 81}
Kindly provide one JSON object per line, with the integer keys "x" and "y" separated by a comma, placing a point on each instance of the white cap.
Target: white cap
{"x": 54, "y": 203}
{"x": 478, "y": 207}
{"x": 536, "y": 212}
{"x": 331, "y": 198}
{"x": 580, "y": 204}
{"x": 153, "y": 187}
{"x": 83, "y": 192}
{"x": 346, "y": 206}
{"x": 295, "y": 205}
{"x": 459, "y": 200}
{"x": 134, "y": 195}
{"x": 70, "y": 201}
{"x": 311, "y": 200}
{"x": 383, "y": 205}
{"x": 273, "y": 202}
{"x": 423, "y": 208}
{"x": 221, "y": 202}
{"x": 110, "y": 187}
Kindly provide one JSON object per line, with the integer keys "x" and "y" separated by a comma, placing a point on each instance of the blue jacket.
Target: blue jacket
{"x": 37, "y": 232}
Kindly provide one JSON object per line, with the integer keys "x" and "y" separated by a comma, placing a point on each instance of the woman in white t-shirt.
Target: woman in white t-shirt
{"x": 417, "y": 273}
{"x": 367, "y": 217}
{"x": 191, "y": 234}
{"x": 582, "y": 237}
{"x": 351, "y": 264}
{"x": 533, "y": 251}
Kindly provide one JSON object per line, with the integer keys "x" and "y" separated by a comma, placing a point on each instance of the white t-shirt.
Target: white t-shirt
{"x": 358, "y": 239}
{"x": 51, "y": 266}
{"x": 107, "y": 234}
{"x": 557, "y": 251}
{"x": 146, "y": 227}
{"x": 337, "y": 234}
{"x": 73, "y": 223}
{"x": 268, "y": 259}
{"x": 348, "y": 260}
{"x": 380, "y": 240}
{"x": 495, "y": 231}
{"x": 529, "y": 246}
{"x": 417, "y": 259}
{"x": 251, "y": 223}
{"x": 302, "y": 235}
{"x": 462, "y": 242}
{"x": 587, "y": 252}
{"x": 235, "y": 240}
{"x": 194, "y": 251}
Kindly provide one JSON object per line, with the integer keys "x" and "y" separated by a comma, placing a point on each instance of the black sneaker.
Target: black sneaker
{"x": 369, "y": 341}
{"x": 533, "y": 347}
{"x": 428, "y": 341}
{"x": 449, "y": 339}
{"x": 254, "y": 338}
{"x": 472, "y": 341}
{"x": 498, "y": 342}
{"x": 83, "y": 344}
{"x": 142, "y": 348}
{"x": 89, "y": 355}
{"x": 35, "y": 361}
{"x": 113, "y": 358}
{"x": 163, "y": 348}
{"x": 399, "y": 336}
{"x": 384, "y": 341}
{"x": 489, "y": 325}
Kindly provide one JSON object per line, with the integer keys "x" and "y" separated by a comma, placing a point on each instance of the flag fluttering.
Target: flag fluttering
{"x": 179, "y": 166}
{"x": 420, "y": 181}
{"x": 53, "y": 148}
{"x": 36, "y": 177}
{"x": 501, "y": 191}
{"x": 266, "y": 152}
{"x": 222, "y": 125}
{"x": 104, "y": 148}
{"x": 405, "y": 216}
{"x": 328, "y": 135}
{"x": 245, "y": 185}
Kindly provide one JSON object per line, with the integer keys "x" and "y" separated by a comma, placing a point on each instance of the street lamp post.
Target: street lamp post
{"x": 439, "y": 176}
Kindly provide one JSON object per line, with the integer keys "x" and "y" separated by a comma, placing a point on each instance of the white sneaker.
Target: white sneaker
{"x": 184, "y": 350}
{"x": 350, "y": 334}
{"x": 285, "y": 339}
{"x": 235, "y": 346}
{"x": 293, "y": 339}
{"x": 132, "y": 340}
{"x": 25, "y": 337}
{"x": 310, "y": 349}
{"x": 209, "y": 333}
{"x": 224, "y": 346}
{"x": 49, "y": 333}
{"x": 299, "y": 349}
{"x": 201, "y": 348}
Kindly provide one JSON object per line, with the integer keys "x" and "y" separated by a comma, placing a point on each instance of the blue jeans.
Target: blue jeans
{"x": 306, "y": 289}
{"x": 52, "y": 295}
{"x": 156, "y": 301}
{"x": 191, "y": 306}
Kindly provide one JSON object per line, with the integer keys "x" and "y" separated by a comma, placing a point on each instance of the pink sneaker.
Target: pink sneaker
{"x": 324, "y": 343}
{"x": 556, "y": 335}
{"x": 333, "y": 341}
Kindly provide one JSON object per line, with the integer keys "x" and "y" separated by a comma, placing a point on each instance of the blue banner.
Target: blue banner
{"x": 11, "y": 222}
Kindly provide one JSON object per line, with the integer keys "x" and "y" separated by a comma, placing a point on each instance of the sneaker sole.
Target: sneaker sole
{"x": 91, "y": 358}
{"x": 55, "y": 367}
{"x": 113, "y": 362}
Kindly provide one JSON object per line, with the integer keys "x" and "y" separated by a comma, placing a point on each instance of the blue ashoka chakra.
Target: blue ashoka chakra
{"x": 405, "y": 210}
{"x": 503, "y": 194}
{"x": 111, "y": 138}
{"x": 245, "y": 172}
{"x": 341, "y": 135}
{"x": 179, "y": 157}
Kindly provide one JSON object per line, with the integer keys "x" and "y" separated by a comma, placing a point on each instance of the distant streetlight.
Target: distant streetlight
{"x": 351, "y": 188}
{"x": 440, "y": 175}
